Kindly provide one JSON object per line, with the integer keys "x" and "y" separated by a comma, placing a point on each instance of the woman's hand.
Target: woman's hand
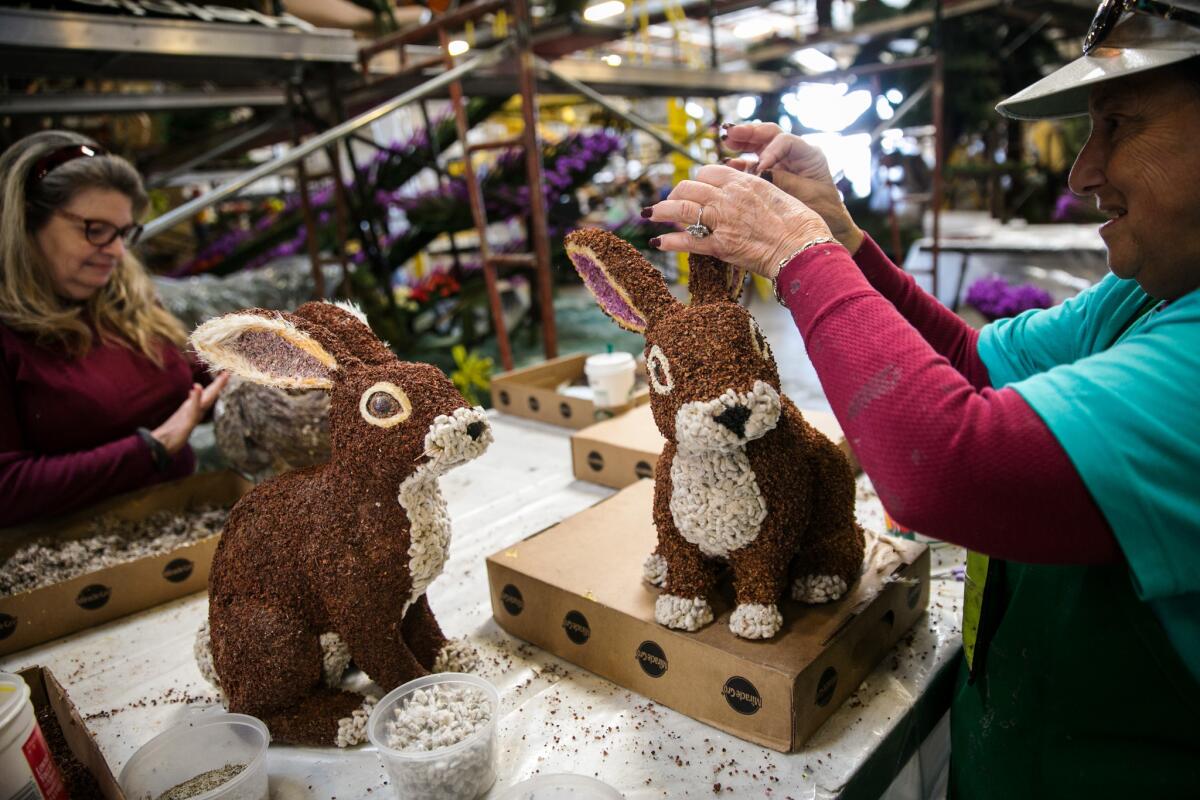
{"x": 754, "y": 224}
{"x": 175, "y": 431}
{"x": 799, "y": 169}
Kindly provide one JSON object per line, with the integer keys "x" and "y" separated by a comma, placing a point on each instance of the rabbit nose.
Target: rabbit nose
{"x": 475, "y": 430}
{"x": 734, "y": 418}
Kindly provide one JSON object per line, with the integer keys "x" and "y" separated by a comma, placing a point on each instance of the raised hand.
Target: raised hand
{"x": 175, "y": 431}
{"x": 798, "y": 168}
{"x": 753, "y": 223}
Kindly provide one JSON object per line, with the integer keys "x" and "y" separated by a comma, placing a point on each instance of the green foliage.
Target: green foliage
{"x": 471, "y": 373}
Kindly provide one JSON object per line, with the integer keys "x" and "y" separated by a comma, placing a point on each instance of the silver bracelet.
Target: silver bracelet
{"x": 785, "y": 261}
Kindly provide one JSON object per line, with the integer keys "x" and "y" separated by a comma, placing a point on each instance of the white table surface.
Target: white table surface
{"x": 135, "y": 677}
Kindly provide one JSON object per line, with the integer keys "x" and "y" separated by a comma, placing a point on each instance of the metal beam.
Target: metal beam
{"x": 873, "y": 30}
{"x": 65, "y": 30}
{"x": 115, "y": 103}
{"x": 193, "y": 207}
{"x": 630, "y": 80}
{"x": 633, "y": 119}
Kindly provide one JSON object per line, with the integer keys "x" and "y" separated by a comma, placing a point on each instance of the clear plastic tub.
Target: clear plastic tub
{"x": 560, "y": 787}
{"x": 460, "y": 771}
{"x": 197, "y": 746}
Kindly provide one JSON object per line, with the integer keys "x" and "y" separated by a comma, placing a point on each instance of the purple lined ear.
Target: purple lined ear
{"x": 626, "y": 286}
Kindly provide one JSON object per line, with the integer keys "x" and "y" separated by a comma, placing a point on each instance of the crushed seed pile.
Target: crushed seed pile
{"x": 432, "y": 719}
{"x": 109, "y": 541}
{"x": 204, "y": 782}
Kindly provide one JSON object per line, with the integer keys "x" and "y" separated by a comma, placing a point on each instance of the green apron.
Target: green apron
{"x": 1074, "y": 691}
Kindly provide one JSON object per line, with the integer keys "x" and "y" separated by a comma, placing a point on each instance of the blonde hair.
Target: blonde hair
{"x": 126, "y": 310}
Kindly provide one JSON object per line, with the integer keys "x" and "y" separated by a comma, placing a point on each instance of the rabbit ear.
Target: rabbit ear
{"x": 349, "y": 325}
{"x": 626, "y": 286}
{"x": 713, "y": 281}
{"x": 267, "y": 347}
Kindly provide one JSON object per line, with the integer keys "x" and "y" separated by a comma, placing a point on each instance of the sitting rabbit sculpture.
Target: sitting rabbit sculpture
{"x": 743, "y": 479}
{"x": 338, "y": 555}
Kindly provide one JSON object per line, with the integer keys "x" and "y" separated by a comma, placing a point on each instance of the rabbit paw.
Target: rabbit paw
{"x": 352, "y": 730}
{"x": 202, "y": 650}
{"x": 457, "y": 656}
{"x": 755, "y": 621}
{"x": 682, "y": 613}
{"x": 818, "y": 588}
{"x": 654, "y": 570}
{"x": 335, "y": 657}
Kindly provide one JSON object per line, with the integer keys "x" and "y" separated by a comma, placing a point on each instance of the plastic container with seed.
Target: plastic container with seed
{"x": 437, "y": 736}
{"x": 204, "y": 753}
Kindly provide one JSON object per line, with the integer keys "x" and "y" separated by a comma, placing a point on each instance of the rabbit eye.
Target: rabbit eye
{"x": 659, "y": 370}
{"x": 385, "y": 405}
{"x": 382, "y": 404}
{"x": 759, "y": 340}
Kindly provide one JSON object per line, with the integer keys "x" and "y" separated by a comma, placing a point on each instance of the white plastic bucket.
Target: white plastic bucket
{"x": 611, "y": 376}
{"x": 27, "y": 770}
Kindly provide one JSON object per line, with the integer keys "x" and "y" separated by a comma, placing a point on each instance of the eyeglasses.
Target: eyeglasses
{"x": 102, "y": 234}
{"x": 1110, "y": 12}
{"x": 56, "y": 158}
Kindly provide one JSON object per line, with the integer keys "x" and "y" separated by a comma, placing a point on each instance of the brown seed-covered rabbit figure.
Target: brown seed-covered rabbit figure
{"x": 743, "y": 479}
{"x": 336, "y": 556}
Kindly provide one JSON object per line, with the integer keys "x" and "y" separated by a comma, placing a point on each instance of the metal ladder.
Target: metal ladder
{"x": 536, "y": 260}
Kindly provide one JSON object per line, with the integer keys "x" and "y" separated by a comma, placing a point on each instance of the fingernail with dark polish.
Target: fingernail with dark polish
{"x": 726, "y": 160}
{"x": 727, "y": 125}
{"x": 656, "y": 241}
{"x": 647, "y": 212}
{"x": 724, "y": 135}
{"x": 767, "y": 176}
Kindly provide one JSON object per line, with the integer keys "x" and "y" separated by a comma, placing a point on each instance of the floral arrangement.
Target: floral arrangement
{"x": 996, "y": 298}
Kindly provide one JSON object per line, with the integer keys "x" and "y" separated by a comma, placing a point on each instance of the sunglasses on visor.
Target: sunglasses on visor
{"x": 1111, "y": 11}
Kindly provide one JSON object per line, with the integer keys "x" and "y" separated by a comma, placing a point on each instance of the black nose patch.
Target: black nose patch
{"x": 734, "y": 418}
{"x": 475, "y": 430}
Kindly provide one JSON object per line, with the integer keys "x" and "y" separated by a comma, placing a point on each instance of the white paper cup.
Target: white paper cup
{"x": 204, "y": 743}
{"x": 462, "y": 771}
{"x": 27, "y": 769}
{"x": 611, "y": 376}
{"x": 560, "y": 787}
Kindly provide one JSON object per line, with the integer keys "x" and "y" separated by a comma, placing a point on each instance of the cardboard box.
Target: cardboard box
{"x": 39, "y": 615}
{"x": 46, "y": 691}
{"x": 624, "y": 449}
{"x": 533, "y": 392}
{"x": 576, "y": 590}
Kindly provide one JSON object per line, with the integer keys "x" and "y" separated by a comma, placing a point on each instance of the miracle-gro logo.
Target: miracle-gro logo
{"x": 741, "y": 695}
{"x": 576, "y": 626}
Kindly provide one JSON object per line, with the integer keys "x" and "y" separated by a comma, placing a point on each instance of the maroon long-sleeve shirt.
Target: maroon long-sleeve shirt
{"x": 949, "y": 455}
{"x": 68, "y": 427}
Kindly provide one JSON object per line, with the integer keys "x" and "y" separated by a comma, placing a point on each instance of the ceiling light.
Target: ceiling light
{"x": 458, "y": 47}
{"x": 604, "y": 10}
{"x": 613, "y": 60}
{"x": 746, "y": 106}
{"x": 753, "y": 28}
{"x": 883, "y": 108}
{"x": 814, "y": 60}
{"x": 895, "y": 96}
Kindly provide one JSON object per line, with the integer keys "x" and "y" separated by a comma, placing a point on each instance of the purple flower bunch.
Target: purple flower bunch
{"x": 996, "y": 298}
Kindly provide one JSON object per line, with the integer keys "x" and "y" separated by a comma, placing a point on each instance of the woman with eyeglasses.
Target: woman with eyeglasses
{"x": 96, "y": 395}
{"x": 1062, "y": 447}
